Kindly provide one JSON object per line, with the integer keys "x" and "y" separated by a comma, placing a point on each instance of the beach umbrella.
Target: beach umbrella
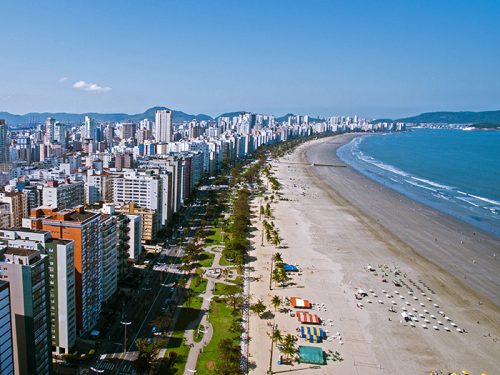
{"x": 465, "y": 372}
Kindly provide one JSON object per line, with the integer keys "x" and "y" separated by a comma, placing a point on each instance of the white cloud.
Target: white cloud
{"x": 89, "y": 86}
{"x": 63, "y": 79}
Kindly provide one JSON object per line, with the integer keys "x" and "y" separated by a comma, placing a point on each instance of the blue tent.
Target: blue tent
{"x": 290, "y": 268}
{"x": 311, "y": 354}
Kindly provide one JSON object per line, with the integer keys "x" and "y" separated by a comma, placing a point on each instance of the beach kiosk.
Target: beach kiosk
{"x": 311, "y": 354}
{"x": 300, "y": 303}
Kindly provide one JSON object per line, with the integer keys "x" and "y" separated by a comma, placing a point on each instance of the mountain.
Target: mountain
{"x": 455, "y": 117}
{"x": 284, "y": 118}
{"x": 230, "y": 114}
{"x": 37, "y": 117}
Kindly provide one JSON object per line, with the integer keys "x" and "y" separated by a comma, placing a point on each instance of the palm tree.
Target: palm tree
{"x": 289, "y": 349}
{"x": 277, "y": 258}
{"x": 276, "y": 302}
{"x": 258, "y": 308}
{"x": 276, "y": 238}
{"x": 277, "y": 336}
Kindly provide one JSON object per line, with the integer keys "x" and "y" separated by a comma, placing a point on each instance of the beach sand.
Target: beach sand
{"x": 335, "y": 224}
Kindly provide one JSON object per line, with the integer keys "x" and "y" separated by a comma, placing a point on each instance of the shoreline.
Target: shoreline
{"x": 333, "y": 241}
{"x": 487, "y": 224}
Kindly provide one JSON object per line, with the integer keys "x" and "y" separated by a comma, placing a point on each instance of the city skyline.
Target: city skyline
{"x": 388, "y": 60}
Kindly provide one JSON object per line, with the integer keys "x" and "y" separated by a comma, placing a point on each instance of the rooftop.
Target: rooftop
{"x": 20, "y": 251}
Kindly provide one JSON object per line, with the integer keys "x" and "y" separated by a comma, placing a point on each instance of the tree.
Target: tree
{"x": 276, "y": 302}
{"x": 279, "y": 275}
{"x": 277, "y": 258}
{"x": 276, "y": 238}
{"x": 232, "y": 294}
{"x": 229, "y": 358}
{"x": 277, "y": 336}
{"x": 262, "y": 212}
{"x": 148, "y": 353}
{"x": 289, "y": 348}
{"x": 258, "y": 308}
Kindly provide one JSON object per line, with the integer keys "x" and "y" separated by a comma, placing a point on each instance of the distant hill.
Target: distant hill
{"x": 285, "y": 118}
{"x": 230, "y": 114}
{"x": 37, "y": 117}
{"x": 455, "y": 117}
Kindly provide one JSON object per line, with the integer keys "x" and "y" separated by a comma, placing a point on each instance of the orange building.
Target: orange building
{"x": 83, "y": 228}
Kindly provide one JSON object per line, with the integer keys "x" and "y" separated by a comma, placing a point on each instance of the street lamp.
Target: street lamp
{"x": 125, "y": 324}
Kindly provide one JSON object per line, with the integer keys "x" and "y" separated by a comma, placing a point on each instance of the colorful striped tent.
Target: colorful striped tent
{"x": 312, "y": 334}
{"x": 308, "y": 318}
{"x": 300, "y": 303}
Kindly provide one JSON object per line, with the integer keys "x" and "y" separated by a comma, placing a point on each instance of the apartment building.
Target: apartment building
{"x": 6, "y": 356}
{"x": 63, "y": 195}
{"x": 84, "y": 228}
{"x": 26, "y": 270}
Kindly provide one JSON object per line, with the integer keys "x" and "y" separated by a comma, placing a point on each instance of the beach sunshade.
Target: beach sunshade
{"x": 290, "y": 268}
{"x": 465, "y": 372}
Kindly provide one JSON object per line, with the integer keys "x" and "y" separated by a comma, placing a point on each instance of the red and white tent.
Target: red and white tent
{"x": 308, "y": 318}
{"x": 300, "y": 303}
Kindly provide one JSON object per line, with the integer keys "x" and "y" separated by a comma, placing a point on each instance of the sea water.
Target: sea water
{"x": 454, "y": 171}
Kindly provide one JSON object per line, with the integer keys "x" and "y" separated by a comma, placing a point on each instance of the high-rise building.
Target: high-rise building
{"x": 84, "y": 228}
{"x": 62, "y": 294}
{"x": 128, "y": 130}
{"x": 18, "y": 206}
{"x": 60, "y": 133}
{"x": 109, "y": 235}
{"x": 89, "y": 128}
{"x": 66, "y": 195}
{"x": 99, "y": 186}
{"x": 50, "y": 130}
{"x": 163, "y": 126}
{"x": 6, "y": 358}
{"x": 26, "y": 270}
{"x": 144, "y": 189}
{"x": 61, "y": 271}
{"x": 4, "y": 149}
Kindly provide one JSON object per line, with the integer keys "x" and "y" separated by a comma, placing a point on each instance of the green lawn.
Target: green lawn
{"x": 206, "y": 259}
{"x": 200, "y": 288}
{"x": 223, "y": 262}
{"x": 221, "y": 318}
{"x": 238, "y": 280}
{"x": 215, "y": 237}
{"x": 188, "y": 314}
{"x": 219, "y": 287}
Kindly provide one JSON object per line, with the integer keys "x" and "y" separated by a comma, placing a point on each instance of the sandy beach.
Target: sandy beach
{"x": 336, "y": 223}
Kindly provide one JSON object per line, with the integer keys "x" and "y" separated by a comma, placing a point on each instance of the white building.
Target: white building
{"x": 63, "y": 196}
{"x": 144, "y": 189}
{"x": 163, "y": 126}
{"x": 135, "y": 236}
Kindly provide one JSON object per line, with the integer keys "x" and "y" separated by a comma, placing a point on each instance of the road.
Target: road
{"x": 152, "y": 292}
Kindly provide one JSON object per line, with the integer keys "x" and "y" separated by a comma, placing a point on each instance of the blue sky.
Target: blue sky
{"x": 373, "y": 58}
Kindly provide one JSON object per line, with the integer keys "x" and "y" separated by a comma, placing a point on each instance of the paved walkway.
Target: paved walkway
{"x": 197, "y": 347}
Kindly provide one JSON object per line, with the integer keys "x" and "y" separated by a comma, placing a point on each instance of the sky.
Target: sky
{"x": 373, "y": 58}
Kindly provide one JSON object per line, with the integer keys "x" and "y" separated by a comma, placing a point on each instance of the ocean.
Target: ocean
{"x": 456, "y": 172}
